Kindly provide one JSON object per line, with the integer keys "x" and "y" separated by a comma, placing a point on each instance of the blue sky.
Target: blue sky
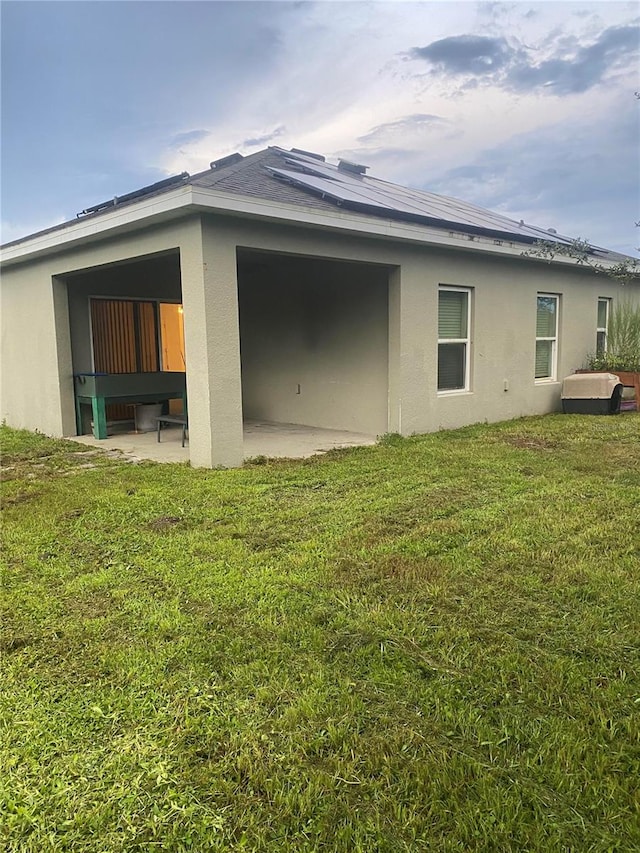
{"x": 525, "y": 108}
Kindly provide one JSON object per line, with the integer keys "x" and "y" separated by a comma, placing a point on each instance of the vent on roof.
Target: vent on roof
{"x": 152, "y": 188}
{"x": 354, "y": 168}
{"x": 226, "y": 161}
{"x": 308, "y": 154}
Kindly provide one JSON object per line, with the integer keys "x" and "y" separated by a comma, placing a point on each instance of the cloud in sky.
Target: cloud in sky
{"x": 589, "y": 65}
{"x": 570, "y": 66}
{"x": 187, "y": 137}
{"x": 123, "y": 94}
{"x": 466, "y": 54}
{"x": 96, "y": 95}
{"x": 559, "y": 174}
{"x": 400, "y": 128}
{"x": 263, "y": 139}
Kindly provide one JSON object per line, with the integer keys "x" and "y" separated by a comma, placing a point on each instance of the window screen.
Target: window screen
{"x": 453, "y": 339}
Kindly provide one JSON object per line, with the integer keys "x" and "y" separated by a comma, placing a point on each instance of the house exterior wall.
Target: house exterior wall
{"x": 36, "y": 389}
{"x": 35, "y": 345}
{"x": 503, "y": 336}
{"x": 314, "y": 339}
{"x": 37, "y": 368}
{"x": 503, "y": 321}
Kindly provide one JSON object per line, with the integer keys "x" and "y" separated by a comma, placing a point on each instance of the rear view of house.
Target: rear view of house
{"x": 282, "y": 288}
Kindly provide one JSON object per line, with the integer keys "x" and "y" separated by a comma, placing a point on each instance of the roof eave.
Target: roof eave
{"x": 179, "y": 202}
{"x": 169, "y": 205}
{"x": 343, "y": 220}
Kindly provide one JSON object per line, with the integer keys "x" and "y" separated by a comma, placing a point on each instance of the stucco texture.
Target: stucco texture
{"x": 352, "y": 320}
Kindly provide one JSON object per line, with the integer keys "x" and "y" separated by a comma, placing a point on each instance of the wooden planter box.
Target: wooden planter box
{"x": 629, "y": 378}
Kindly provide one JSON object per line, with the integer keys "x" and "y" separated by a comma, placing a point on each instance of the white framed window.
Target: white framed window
{"x": 546, "y": 337}
{"x": 454, "y": 324}
{"x": 604, "y": 307}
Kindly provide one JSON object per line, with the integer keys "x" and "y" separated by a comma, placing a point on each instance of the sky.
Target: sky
{"x": 525, "y": 108}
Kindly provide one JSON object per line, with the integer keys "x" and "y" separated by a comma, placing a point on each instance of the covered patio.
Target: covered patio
{"x": 260, "y": 438}
{"x": 297, "y": 365}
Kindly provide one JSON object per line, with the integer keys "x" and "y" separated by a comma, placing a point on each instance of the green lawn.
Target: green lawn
{"x": 428, "y": 645}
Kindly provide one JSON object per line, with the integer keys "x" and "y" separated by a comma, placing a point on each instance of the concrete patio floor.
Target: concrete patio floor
{"x": 280, "y": 441}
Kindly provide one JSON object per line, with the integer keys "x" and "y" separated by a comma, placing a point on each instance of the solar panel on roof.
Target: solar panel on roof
{"x": 322, "y": 170}
{"x": 166, "y": 183}
{"x": 354, "y": 188}
{"x": 351, "y": 188}
{"x": 389, "y": 195}
{"x": 384, "y": 201}
{"x": 332, "y": 189}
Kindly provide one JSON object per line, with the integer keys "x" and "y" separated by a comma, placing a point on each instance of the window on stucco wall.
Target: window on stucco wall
{"x": 454, "y": 306}
{"x": 546, "y": 337}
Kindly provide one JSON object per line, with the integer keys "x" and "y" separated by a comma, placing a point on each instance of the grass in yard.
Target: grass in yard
{"x": 432, "y": 644}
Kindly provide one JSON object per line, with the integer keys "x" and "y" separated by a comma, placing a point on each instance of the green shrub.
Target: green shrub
{"x": 623, "y": 340}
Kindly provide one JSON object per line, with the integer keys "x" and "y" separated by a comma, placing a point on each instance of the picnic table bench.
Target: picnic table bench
{"x": 181, "y": 420}
{"x": 97, "y": 390}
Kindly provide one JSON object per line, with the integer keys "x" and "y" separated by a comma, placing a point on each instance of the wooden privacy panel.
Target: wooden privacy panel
{"x": 114, "y": 340}
{"x": 148, "y": 339}
{"x": 125, "y": 336}
{"x": 125, "y": 340}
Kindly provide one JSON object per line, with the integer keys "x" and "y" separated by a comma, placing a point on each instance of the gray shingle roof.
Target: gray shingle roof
{"x": 251, "y": 177}
{"x": 304, "y": 180}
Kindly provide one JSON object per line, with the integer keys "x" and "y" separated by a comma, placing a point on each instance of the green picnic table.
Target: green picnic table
{"x": 100, "y": 389}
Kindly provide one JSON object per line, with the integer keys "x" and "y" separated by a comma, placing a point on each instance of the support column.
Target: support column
{"x": 413, "y": 336}
{"x": 212, "y": 343}
{"x": 395, "y": 352}
{"x": 63, "y": 356}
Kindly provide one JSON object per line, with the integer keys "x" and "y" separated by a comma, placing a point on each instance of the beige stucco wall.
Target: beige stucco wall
{"x": 314, "y": 340}
{"x": 503, "y": 320}
{"x": 35, "y": 345}
{"x": 37, "y": 387}
{"x": 504, "y": 293}
{"x": 212, "y": 342}
{"x": 36, "y": 390}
